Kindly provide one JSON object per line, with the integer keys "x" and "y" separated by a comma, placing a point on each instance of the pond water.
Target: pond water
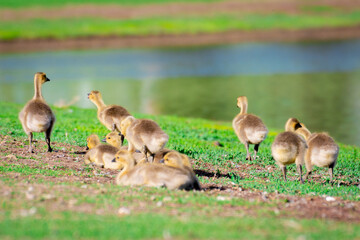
{"x": 315, "y": 82}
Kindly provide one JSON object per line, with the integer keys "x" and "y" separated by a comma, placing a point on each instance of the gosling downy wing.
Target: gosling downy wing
{"x": 251, "y": 128}
{"x": 286, "y": 147}
{"x": 113, "y": 114}
{"x": 151, "y": 134}
{"x": 37, "y": 116}
{"x": 323, "y": 149}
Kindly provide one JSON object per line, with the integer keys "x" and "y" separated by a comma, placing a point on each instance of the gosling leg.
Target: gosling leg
{"x": 299, "y": 170}
{"x": 248, "y": 157}
{"x": 145, "y": 151}
{"x": 256, "y": 149}
{"x": 30, "y": 142}
{"x": 283, "y": 169}
{"x": 331, "y": 171}
{"x": 47, "y": 136}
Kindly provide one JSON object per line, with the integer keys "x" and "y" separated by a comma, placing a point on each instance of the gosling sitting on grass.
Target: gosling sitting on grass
{"x": 172, "y": 175}
{"x": 288, "y": 147}
{"x": 110, "y": 116}
{"x": 322, "y": 150}
{"x": 36, "y": 116}
{"x": 249, "y": 128}
{"x": 143, "y": 135}
{"x": 174, "y": 157}
{"x": 100, "y": 155}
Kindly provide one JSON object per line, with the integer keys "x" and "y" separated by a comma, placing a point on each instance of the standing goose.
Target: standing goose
{"x": 248, "y": 127}
{"x": 322, "y": 150}
{"x": 110, "y": 116}
{"x": 288, "y": 147}
{"x": 36, "y": 116}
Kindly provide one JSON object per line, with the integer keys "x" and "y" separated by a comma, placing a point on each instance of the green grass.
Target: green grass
{"x": 157, "y": 226}
{"x": 81, "y": 27}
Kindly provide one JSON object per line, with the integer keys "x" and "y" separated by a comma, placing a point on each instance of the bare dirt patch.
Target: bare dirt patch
{"x": 68, "y": 158}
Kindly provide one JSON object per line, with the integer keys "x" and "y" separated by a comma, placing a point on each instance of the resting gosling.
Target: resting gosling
{"x": 322, "y": 150}
{"x": 287, "y": 148}
{"x": 174, "y": 157}
{"x": 110, "y": 116}
{"x": 114, "y": 139}
{"x": 143, "y": 135}
{"x": 37, "y": 116}
{"x": 248, "y": 127}
{"x": 152, "y": 174}
{"x": 100, "y": 155}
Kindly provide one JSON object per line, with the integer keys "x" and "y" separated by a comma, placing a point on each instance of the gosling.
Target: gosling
{"x": 174, "y": 157}
{"x": 322, "y": 150}
{"x": 152, "y": 174}
{"x": 37, "y": 116}
{"x": 110, "y": 116}
{"x": 100, "y": 155}
{"x": 287, "y": 148}
{"x": 114, "y": 139}
{"x": 248, "y": 127}
{"x": 143, "y": 135}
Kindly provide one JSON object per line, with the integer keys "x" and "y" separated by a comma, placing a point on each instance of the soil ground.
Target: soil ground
{"x": 68, "y": 157}
{"x": 177, "y": 9}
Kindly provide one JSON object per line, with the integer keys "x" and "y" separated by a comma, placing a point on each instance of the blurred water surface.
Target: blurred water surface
{"x": 315, "y": 82}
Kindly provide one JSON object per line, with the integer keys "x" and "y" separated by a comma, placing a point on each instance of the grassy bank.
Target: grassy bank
{"x": 196, "y": 138}
{"x": 84, "y": 27}
{"x": 37, "y": 26}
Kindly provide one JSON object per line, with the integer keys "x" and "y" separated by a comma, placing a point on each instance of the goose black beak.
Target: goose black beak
{"x": 162, "y": 161}
{"x": 87, "y": 148}
{"x": 113, "y": 160}
{"x": 103, "y": 140}
{"x": 47, "y": 80}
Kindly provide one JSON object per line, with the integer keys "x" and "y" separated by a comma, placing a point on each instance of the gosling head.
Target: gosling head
{"x": 292, "y": 124}
{"x": 173, "y": 159}
{"x": 41, "y": 78}
{"x": 94, "y": 95}
{"x": 125, "y": 124}
{"x": 92, "y": 141}
{"x": 122, "y": 157}
{"x": 113, "y": 138}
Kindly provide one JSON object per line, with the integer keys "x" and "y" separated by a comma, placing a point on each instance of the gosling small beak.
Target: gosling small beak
{"x": 47, "y": 80}
{"x": 113, "y": 160}
{"x": 162, "y": 161}
{"x": 87, "y": 148}
{"x": 103, "y": 140}
{"x": 88, "y": 95}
